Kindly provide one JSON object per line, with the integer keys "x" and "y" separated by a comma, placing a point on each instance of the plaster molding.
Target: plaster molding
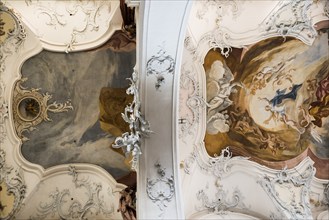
{"x": 30, "y": 108}
{"x": 217, "y": 166}
{"x": 221, "y": 9}
{"x": 130, "y": 142}
{"x": 190, "y": 45}
{"x": 297, "y": 24}
{"x": 190, "y": 98}
{"x": 220, "y": 204}
{"x": 296, "y": 187}
{"x": 160, "y": 65}
{"x": 323, "y": 215}
{"x": 13, "y": 182}
{"x": 227, "y": 215}
{"x": 63, "y": 207}
{"x": 3, "y": 112}
{"x": 21, "y": 47}
{"x": 83, "y": 25}
{"x": 161, "y": 190}
{"x": 13, "y": 39}
{"x": 133, "y": 3}
{"x": 287, "y": 19}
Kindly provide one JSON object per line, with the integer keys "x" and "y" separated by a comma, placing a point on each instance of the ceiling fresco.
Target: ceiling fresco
{"x": 271, "y": 99}
{"x": 93, "y": 84}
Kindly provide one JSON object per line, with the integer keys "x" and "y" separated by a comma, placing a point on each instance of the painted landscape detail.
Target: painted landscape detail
{"x": 272, "y": 101}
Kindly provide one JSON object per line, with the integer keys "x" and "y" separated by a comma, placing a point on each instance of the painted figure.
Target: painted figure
{"x": 127, "y": 204}
{"x": 280, "y": 95}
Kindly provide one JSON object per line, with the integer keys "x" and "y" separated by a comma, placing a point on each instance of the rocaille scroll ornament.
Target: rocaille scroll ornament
{"x": 12, "y": 34}
{"x": 30, "y": 108}
{"x": 298, "y": 206}
{"x": 130, "y": 141}
{"x": 12, "y": 189}
{"x": 161, "y": 190}
{"x": 61, "y": 207}
{"x": 159, "y": 65}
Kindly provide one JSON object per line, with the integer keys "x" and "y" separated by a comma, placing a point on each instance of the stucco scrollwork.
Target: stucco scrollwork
{"x": 218, "y": 39}
{"x": 217, "y": 166}
{"x": 62, "y": 205}
{"x": 221, "y": 8}
{"x": 12, "y": 34}
{"x": 30, "y": 108}
{"x": 190, "y": 98}
{"x": 220, "y": 204}
{"x": 139, "y": 127}
{"x": 159, "y": 65}
{"x": 290, "y": 193}
{"x": 161, "y": 190}
{"x": 3, "y": 111}
{"x": 77, "y": 18}
{"x": 13, "y": 188}
{"x": 291, "y": 18}
{"x": 188, "y": 44}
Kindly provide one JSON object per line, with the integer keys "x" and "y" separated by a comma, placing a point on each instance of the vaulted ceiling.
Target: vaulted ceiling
{"x": 235, "y": 94}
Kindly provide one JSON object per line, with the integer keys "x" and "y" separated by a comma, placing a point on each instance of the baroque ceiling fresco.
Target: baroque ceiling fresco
{"x": 240, "y": 94}
{"x": 271, "y": 100}
{"x": 85, "y": 94}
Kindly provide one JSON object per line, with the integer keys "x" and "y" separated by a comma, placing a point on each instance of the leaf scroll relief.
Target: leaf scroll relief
{"x": 13, "y": 188}
{"x": 30, "y": 108}
{"x": 159, "y": 65}
{"x": 296, "y": 188}
{"x": 190, "y": 102}
{"x": 298, "y": 24}
{"x": 130, "y": 142}
{"x": 12, "y": 35}
{"x": 221, "y": 203}
{"x": 63, "y": 16}
{"x": 160, "y": 190}
{"x": 61, "y": 206}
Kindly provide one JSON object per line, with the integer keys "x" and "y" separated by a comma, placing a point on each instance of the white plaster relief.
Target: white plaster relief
{"x": 323, "y": 215}
{"x": 62, "y": 204}
{"x": 190, "y": 102}
{"x": 287, "y": 19}
{"x": 291, "y": 18}
{"x": 189, "y": 45}
{"x": 215, "y": 197}
{"x": 222, "y": 201}
{"x": 82, "y": 24}
{"x": 221, "y": 9}
{"x": 14, "y": 38}
{"x": 14, "y": 181}
{"x": 161, "y": 190}
{"x": 290, "y": 192}
{"x": 130, "y": 142}
{"x": 226, "y": 215}
{"x": 11, "y": 180}
{"x": 132, "y": 3}
{"x": 160, "y": 65}
{"x": 3, "y": 112}
{"x": 217, "y": 166}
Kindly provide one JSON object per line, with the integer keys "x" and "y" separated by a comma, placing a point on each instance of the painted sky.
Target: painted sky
{"x": 75, "y": 136}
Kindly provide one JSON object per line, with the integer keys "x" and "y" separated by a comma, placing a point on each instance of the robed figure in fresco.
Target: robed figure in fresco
{"x": 112, "y": 102}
